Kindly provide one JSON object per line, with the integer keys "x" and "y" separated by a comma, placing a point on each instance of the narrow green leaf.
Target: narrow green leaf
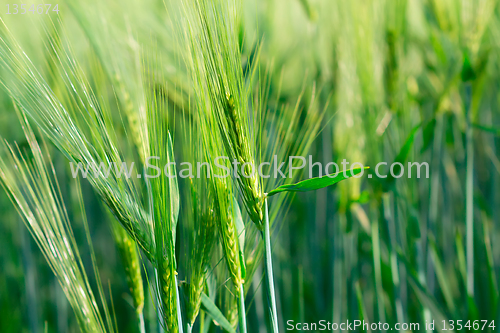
{"x": 361, "y": 306}
{"x": 317, "y": 183}
{"x": 240, "y": 225}
{"x": 243, "y": 265}
{"x": 405, "y": 150}
{"x": 473, "y": 311}
{"x": 213, "y": 311}
{"x": 428, "y": 134}
{"x": 402, "y": 156}
{"x": 462, "y": 266}
{"x": 424, "y": 296}
{"x": 495, "y": 131}
{"x": 271, "y": 296}
{"x": 468, "y": 73}
{"x": 442, "y": 277}
{"x": 310, "y": 12}
{"x": 173, "y": 186}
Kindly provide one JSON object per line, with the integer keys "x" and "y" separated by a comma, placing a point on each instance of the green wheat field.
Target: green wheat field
{"x": 163, "y": 84}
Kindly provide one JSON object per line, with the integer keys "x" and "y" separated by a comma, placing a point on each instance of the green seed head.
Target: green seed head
{"x": 130, "y": 259}
{"x": 228, "y": 233}
{"x": 236, "y": 142}
{"x": 168, "y": 296}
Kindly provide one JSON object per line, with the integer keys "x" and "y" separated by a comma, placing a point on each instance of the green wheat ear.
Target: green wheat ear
{"x": 222, "y": 94}
{"x": 231, "y": 309}
{"x": 128, "y": 253}
{"x": 168, "y": 294}
{"x": 235, "y": 139}
{"x": 82, "y": 131}
{"x": 35, "y": 193}
{"x": 163, "y": 192}
{"x": 204, "y": 239}
{"x": 227, "y": 229}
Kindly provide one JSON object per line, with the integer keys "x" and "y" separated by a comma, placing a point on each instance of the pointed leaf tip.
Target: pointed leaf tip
{"x": 209, "y": 306}
{"x": 318, "y": 182}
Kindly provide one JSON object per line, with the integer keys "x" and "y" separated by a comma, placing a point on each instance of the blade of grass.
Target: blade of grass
{"x": 441, "y": 276}
{"x": 424, "y": 296}
{"x": 241, "y": 310}
{"x": 317, "y": 182}
{"x": 469, "y": 186}
{"x": 213, "y": 311}
{"x": 37, "y": 197}
{"x": 488, "y": 129}
{"x": 361, "y": 306}
{"x": 266, "y": 235}
{"x": 401, "y": 157}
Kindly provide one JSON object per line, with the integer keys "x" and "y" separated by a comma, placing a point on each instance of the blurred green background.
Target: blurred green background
{"x": 393, "y": 250}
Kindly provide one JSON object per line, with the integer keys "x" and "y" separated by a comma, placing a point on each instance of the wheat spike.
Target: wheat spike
{"x": 228, "y": 233}
{"x": 204, "y": 239}
{"x": 168, "y": 296}
{"x": 130, "y": 259}
{"x": 222, "y": 93}
{"x": 231, "y": 309}
{"x": 35, "y": 193}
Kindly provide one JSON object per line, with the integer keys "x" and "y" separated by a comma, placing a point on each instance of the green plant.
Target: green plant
{"x": 256, "y": 81}
{"x": 26, "y": 176}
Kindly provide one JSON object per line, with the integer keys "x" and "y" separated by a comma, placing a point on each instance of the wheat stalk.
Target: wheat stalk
{"x": 65, "y": 121}
{"x": 130, "y": 259}
{"x": 227, "y": 211}
{"x": 35, "y": 193}
{"x": 235, "y": 137}
{"x": 221, "y": 91}
{"x": 163, "y": 193}
{"x": 204, "y": 239}
{"x": 228, "y": 233}
{"x": 231, "y": 309}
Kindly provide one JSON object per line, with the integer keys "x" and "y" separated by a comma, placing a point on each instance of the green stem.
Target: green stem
{"x": 241, "y": 310}
{"x": 142, "y": 326}
{"x": 179, "y": 315}
{"x": 158, "y": 305}
{"x": 202, "y": 321}
{"x": 377, "y": 262}
{"x": 469, "y": 185}
{"x": 266, "y": 235}
{"x": 189, "y": 328}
